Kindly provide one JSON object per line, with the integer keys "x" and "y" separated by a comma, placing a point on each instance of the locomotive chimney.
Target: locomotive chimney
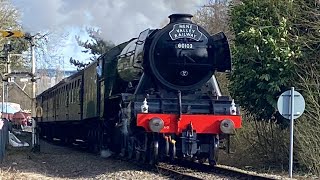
{"x": 180, "y": 18}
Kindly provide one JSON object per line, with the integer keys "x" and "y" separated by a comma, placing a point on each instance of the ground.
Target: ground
{"x": 57, "y": 162}
{"x": 61, "y": 162}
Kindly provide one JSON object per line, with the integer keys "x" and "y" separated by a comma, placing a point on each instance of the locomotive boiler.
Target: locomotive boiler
{"x": 151, "y": 98}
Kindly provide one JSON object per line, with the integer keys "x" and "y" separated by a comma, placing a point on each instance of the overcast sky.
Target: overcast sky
{"x": 119, "y": 20}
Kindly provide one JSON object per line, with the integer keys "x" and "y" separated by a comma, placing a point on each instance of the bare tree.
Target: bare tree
{"x": 214, "y": 17}
{"x": 47, "y": 46}
{"x": 8, "y": 15}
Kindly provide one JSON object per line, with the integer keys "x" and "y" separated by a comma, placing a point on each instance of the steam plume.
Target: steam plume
{"x": 119, "y": 20}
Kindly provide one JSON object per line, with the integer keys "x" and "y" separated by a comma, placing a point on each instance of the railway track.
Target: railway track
{"x": 239, "y": 174}
{"x": 191, "y": 170}
{"x": 175, "y": 174}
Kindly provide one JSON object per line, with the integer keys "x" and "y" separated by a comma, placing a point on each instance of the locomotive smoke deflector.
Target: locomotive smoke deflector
{"x": 221, "y": 52}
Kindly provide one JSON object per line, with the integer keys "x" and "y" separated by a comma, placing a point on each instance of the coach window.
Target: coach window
{"x": 99, "y": 67}
{"x": 58, "y": 98}
{"x": 64, "y": 95}
{"x": 61, "y": 95}
{"x": 53, "y": 98}
{"x": 78, "y": 91}
{"x": 71, "y": 95}
{"x": 73, "y": 91}
{"x": 68, "y": 94}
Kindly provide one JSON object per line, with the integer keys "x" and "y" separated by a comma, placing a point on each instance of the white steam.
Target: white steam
{"x": 118, "y": 20}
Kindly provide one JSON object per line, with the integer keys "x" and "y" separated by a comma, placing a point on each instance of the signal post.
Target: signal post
{"x": 6, "y": 76}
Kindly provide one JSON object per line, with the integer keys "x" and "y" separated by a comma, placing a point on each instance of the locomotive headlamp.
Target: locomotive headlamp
{"x": 227, "y": 126}
{"x": 156, "y": 124}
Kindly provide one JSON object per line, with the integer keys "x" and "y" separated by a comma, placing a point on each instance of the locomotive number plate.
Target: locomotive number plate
{"x": 184, "y": 46}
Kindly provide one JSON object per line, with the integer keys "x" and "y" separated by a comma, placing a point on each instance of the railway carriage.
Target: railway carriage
{"x": 152, "y": 98}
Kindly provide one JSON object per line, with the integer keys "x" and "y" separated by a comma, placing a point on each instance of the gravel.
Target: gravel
{"x": 57, "y": 162}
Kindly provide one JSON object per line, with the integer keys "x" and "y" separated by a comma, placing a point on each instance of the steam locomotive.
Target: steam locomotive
{"x": 151, "y": 98}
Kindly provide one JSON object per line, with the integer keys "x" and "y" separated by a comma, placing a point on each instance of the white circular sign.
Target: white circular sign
{"x": 284, "y": 104}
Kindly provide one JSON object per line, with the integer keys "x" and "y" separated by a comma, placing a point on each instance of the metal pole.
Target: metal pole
{"x": 291, "y": 132}
{"x": 33, "y": 133}
{"x": 7, "y": 84}
{"x": 7, "y": 99}
{"x": 33, "y": 71}
{"x": 2, "y": 111}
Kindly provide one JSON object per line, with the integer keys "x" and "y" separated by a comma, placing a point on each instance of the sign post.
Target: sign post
{"x": 19, "y": 34}
{"x": 291, "y": 105}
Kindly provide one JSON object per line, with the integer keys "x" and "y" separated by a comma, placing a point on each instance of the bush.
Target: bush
{"x": 305, "y": 33}
{"x": 263, "y": 55}
{"x": 260, "y": 144}
{"x": 308, "y": 125}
